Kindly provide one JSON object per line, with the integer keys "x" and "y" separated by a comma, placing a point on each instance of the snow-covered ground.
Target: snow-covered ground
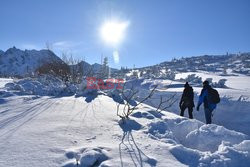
{"x": 233, "y": 110}
{"x": 49, "y": 131}
{"x": 63, "y": 131}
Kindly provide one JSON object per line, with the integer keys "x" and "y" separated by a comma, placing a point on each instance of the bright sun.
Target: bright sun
{"x": 113, "y": 32}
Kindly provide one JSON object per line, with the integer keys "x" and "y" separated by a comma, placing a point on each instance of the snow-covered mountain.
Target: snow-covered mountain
{"x": 21, "y": 63}
{"x": 16, "y": 62}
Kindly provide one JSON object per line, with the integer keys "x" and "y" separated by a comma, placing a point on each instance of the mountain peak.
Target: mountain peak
{"x": 13, "y": 50}
{"x": 16, "y": 62}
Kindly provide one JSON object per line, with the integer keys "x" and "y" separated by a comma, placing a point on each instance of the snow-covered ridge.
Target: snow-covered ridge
{"x": 238, "y": 63}
{"x": 16, "y": 62}
{"x": 224, "y": 65}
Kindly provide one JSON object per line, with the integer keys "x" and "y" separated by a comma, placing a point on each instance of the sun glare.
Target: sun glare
{"x": 113, "y": 32}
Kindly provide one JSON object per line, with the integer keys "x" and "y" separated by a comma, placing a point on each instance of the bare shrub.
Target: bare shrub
{"x": 130, "y": 100}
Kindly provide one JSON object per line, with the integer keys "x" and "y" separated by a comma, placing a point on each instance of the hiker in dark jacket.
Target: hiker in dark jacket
{"x": 208, "y": 105}
{"x": 187, "y": 100}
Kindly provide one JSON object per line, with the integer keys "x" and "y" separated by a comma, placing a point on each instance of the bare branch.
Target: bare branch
{"x": 166, "y": 103}
{"x": 128, "y": 108}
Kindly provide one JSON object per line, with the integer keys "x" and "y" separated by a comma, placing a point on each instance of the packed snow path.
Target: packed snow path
{"x": 44, "y": 131}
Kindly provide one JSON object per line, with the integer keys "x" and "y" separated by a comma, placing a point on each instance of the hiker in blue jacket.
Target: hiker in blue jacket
{"x": 209, "y": 106}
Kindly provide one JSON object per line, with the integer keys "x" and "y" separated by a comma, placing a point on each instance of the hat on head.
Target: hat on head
{"x": 205, "y": 83}
{"x": 186, "y": 85}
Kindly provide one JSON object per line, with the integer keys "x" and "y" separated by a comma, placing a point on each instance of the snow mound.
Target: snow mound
{"x": 4, "y": 81}
{"x": 174, "y": 130}
{"x": 227, "y": 155}
{"x": 87, "y": 157}
{"x": 209, "y": 137}
{"x": 43, "y": 85}
{"x": 48, "y": 85}
{"x": 193, "y": 134}
{"x": 196, "y": 144}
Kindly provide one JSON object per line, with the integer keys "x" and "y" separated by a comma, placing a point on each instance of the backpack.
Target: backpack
{"x": 214, "y": 96}
{"x": 188, "y": 97}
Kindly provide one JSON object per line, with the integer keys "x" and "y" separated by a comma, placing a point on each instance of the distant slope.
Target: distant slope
{"x": 221, "y": 64}
{"x": 238, "y": 63}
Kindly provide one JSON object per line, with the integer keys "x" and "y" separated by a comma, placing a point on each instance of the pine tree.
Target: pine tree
{"x": 105, "y": 68}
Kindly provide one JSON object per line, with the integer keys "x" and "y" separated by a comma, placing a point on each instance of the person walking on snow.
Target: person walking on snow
{"x": 210, "y": 98}
{"x": 187, "y": 100}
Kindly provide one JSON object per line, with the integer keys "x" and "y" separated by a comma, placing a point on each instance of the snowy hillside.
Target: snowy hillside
{"x": 16, "y": 62}
{"x": 233, "y": 110}
{"x": 49, "y": 131}
{"x": 224, "y": 65}
{"x": 237, "y": 63}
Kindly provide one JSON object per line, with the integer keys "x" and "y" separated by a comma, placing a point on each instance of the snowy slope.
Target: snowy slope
{"x": 224, "y": 65}
{"x": 47, "y": 131}
{"x": 233, "y": 110}
{"x": 238, "y": 63}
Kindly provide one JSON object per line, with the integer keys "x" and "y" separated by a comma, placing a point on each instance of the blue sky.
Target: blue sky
{"x": 159, "y": 30}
